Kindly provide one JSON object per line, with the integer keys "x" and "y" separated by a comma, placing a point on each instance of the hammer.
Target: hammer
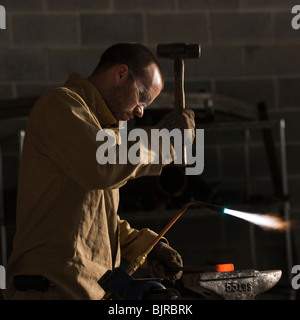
{"x": 179, "y": 52}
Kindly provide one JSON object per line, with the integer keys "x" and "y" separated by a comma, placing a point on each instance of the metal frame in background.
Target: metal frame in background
{"x": 2, "y": 217}
{"x": 247, "y": 126}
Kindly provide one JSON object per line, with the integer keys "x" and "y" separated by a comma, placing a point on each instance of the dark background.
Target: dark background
{"x": 249, "y": 52}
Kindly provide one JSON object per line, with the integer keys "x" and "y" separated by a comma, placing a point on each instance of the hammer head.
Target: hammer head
{"x": 179, "y": 51}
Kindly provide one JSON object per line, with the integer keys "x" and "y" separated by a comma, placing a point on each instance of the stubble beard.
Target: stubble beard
{"x": 116, "y": 101}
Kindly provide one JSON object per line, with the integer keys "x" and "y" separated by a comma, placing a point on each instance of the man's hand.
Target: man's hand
{"x": 181, "y": 119}
{"x": 164, "y": 262}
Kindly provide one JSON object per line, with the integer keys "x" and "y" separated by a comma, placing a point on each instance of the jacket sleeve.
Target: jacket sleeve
{"x": 66, "y": 131}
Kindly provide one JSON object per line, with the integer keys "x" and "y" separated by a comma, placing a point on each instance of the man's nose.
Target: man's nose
{"x": 139, "y": 111}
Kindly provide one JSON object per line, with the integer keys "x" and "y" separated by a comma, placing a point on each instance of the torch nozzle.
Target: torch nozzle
{"x": 139, "y": 261}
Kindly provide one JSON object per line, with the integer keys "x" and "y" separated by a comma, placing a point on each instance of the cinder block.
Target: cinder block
{"x": 165, "y": 28}
{"x": 283, "y": 28}
{"x": 289, "y": 93}
{"x": 231, "y": 192}
{"x": 294, "y": 186}
{"x": 252, "y": 91}
{"x": 4, "y": 37}
{"x": 10, "y": 127}
{"x": 167, "y": 66}
{"x": 189, "y": 86}
{"x": 144, "y": 5}
{"x": 45, "y": 29}
{"x": 262, "y": 4}
{"x": 221, "y": 138}
{"x": 17, "y": 65}
{"x": 28, "y": 90}
{"x": 5, "y": 92}
{"x": 293, "y": 159}
{"x": 77, "y": 5}
{"x": 232, "y": 162}
{"x": 208, "y": 4}
{"x": 259, "y": 165}
{"x": 272, "y": 60}
{"x": 216, "y": 61}
{"x": 211, "y": 163}
{"x": 21, "y": 5}
{"x": 64, "y": 62}
{"x": 241, "y": 27}
{"x": 109, "y": 29}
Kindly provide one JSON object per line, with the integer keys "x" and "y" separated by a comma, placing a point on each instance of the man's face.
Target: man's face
{"x": 124, "y": 99}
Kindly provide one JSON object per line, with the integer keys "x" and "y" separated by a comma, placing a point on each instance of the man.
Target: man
{"x": 68, "y": 232}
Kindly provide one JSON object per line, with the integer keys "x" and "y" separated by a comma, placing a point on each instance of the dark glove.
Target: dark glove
{"x": 164, "y": 262}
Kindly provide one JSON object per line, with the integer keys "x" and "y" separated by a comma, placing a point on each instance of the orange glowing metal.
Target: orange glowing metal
{"x": 227, "y": 267}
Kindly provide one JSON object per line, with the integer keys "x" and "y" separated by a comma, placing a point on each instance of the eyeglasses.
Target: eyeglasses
{"x": 144, "y": 96}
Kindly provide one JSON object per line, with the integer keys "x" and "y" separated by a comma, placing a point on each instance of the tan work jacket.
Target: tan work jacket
{"x": 68, "y": 229}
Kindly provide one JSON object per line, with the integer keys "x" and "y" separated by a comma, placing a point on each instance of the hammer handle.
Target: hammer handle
{"x": 179, "y": 84}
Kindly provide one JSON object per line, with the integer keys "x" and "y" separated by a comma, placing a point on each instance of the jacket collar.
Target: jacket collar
{"x": 92, "y": 97}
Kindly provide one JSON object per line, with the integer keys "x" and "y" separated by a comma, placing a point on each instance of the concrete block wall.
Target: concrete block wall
{"x": 249, "y": 52}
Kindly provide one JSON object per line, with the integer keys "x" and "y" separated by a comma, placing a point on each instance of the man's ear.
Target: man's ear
{"x": 121, "y": 73}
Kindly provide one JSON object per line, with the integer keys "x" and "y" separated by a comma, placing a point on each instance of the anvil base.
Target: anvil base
{"x": 233, "y": 285}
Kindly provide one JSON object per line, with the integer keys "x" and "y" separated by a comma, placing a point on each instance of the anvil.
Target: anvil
{"x": 233, "y": 285}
